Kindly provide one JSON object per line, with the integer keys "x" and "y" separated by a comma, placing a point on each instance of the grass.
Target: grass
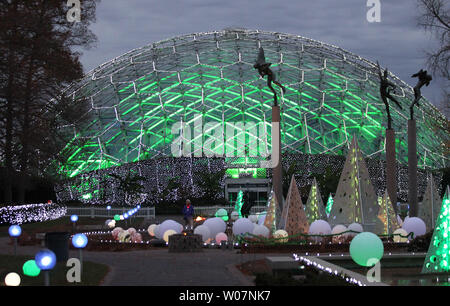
{"x": 93, "y": 273}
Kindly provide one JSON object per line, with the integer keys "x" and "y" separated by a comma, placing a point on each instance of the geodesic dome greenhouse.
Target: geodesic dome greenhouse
{"x": 332, "y": 94}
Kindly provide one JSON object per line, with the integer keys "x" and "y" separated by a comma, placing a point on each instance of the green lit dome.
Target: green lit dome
{"x": 332, "y": 94}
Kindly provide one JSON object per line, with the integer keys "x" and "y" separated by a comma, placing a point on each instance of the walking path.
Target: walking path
{"x": 158, "y": 267}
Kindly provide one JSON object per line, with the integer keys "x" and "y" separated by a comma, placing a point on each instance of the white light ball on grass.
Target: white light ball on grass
{"x": 234, "y": 215}
{"x": 12, "y": 279}
{"x": 203, "y": 231}
{"x": 112, "y": 224}
{"x": 107, "y": 222}
{"x": 151, "y": 229}
{"x": 366, "y": 249}
{"x": 216, "y": 225}
{"x": 319, "y": 227}
{"x": 337, "y": 231}
{"x": 221, "y": 237}
{"x": 167, "y": 234}
{"x": 398, "y": 238}
{"x": 261, "y": 230}
{"x": 356, "y": 227}
{"x": 280, "y": 234}
{"x": 167, "y": 225}
{"x": 414, "y": 225}
{"x": 253, "y": 218}
{"x": 242, "y": 226}
{"x": 136, "y": 238}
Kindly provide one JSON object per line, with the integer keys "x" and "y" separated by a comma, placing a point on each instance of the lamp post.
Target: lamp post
{"x": 79, "y": 241}
{"x": 108, "y": 208}
{"x": 45, "y": 260}
{"x": 15, "y": 231}
{"x": 74, "y": 219}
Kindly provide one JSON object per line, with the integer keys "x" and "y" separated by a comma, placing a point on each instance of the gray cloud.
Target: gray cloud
{"x": 396, "y": 42}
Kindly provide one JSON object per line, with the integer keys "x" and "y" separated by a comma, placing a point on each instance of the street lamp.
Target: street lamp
{"x": 15, "y": 231}
{"x": 79, "y": 241}
{"x": 45, "y": 260}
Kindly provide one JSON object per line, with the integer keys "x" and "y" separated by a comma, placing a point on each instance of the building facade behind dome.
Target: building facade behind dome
{"x": 332, "y": 94}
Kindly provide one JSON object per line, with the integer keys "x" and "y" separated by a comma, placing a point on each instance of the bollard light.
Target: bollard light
{"x": 125, "y": 215}
{"x": 45, "y": 259}
{"x": 108, "y": 207}
{"x": 79, "y": 241}
{"x": 15, "y": 231}
{"x": 12, "y": 279}
{"x": 74, "y": 218}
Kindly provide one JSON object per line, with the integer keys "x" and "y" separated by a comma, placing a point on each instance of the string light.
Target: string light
{"x": 31, "y": 213}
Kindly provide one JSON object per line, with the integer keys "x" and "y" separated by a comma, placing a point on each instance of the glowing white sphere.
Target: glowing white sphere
{"x": 12, "y": 279}
{"x": 319, "y": 227}
{"x": 168, "y": 233}
{"x": 151, "y": 229}
{"x": 167, "y": 225}
{"x": 115, "y": 232}
{"x": 281, "y": 234}
{"x": 337, "y": 231}
{"x": 253, "y": 218}
{"x": 112, "y": 224}
{"x": 221, "y": 237}
{"x": 107, "y": 222}
{"x": 242, "y": 226}
{"x": 261, "y": 230}
{"x": 216, "y": 225}
{"x": 203, "y": 231}
{"x": 415, "y": 225}
{"x": 234, "y": 215}
{"x": 136, "y": 237}
{"x": 356, "y": 227}
{"x": 398, "y": 238}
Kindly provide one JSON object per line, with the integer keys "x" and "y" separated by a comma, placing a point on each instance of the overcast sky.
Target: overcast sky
{"x": 396, "y": 42}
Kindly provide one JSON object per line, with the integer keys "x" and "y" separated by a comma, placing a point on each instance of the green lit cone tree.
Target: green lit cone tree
{"x": 329, "y": 205}
{"x": 273, "y": 214}
{"x": 293, "y": 218}
{"x": 431, "y": 204}
{"x": 315, "y": 210}
{"x": 355, "y": 199}
{"x": 387, "y": 221}
{"x": 437, "y": 259}
{"x": 239, "y": 203}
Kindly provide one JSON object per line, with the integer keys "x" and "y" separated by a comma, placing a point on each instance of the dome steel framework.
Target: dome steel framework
{"x": 332, "y": 94}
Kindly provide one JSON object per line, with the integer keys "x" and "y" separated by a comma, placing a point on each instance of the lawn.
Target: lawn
{"x": 93, "y": 273}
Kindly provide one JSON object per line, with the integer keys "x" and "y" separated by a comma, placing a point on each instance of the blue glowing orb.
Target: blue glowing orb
{"x": 79, "y": 241}
{"x": 45, "y": 259}
{"x": 74, "y": 218}
{"x": 15, "y": 230}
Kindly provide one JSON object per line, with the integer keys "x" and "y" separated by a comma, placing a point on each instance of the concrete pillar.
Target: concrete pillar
{"x": 412, "y": 168}
{"x": 391, "y": 167}
{"x": 277, "y": 176}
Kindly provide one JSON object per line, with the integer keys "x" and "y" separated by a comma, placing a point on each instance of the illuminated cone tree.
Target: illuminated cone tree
{"x": 329, "y": 205}
{"x": 387, "y": 219}
{"x": 315, "y": 209}
{"x": 431, "y": 205}
{"x": 239, "y": 203}
{"x": 355, "y": 199}
{"x": 293, "y": 218}
{"x": 437, "y": 259}
{"x": 273, "y": 214}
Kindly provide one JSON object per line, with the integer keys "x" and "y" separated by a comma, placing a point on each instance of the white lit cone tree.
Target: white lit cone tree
{"x": 293, "y": 218}
{"x": 315, "y": 209}
{"x": 355, "y": 200}
{"x": 387, "y": 221}
{"x": 431, "y": 204}
{"x": 273, "y": 214}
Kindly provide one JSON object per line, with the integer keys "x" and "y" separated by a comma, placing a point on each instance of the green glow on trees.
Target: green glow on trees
{"x": 329, "y": 205}
{"x": 438, "y": 255}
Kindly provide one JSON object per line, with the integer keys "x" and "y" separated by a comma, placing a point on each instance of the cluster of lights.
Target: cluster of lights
{"x": 127, "y": 214}
{"x": 31, "y": 213}
{"x": 186, "y": 170}
{"x": 328, "y": 270}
